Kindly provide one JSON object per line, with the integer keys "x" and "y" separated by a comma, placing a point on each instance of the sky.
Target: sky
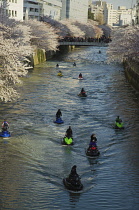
{"x": 117, "y": 3}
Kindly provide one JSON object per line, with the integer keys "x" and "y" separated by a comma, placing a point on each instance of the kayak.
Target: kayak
{"x": 119, "y": 125}
{"x": 67, "y": 141}
{"x": 82, "y": 95}
{"x": 59, "y": 121}
{"x": 92, "y": 152}
{"x": 74, "y": 185}
{"x": 5, "y": 134}
{"x": 80, "y": 78}
{"x": 60, "y": 74}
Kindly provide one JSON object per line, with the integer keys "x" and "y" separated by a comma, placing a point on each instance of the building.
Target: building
{"x": 75, "y": 10}
{"x": 52, "y": 8}
{"x": 110, "y": 16}
{"x": 37, "y": 9}
{"x": 97, "y": 12}
{"x": 125, "y": 19}
{"x": 119, "y": 17}
{"x": 14, "y": 9}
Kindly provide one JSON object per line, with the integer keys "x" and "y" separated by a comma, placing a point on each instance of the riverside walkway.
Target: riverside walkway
{"x": 101, "y": 44}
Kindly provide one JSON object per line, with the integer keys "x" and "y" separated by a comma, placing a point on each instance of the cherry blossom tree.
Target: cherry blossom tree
{"x": 43, "y": 35}
{"x": 89, "y": 29}
{"x": 124, "y": 45}
{"x": 60, "y": 28}
{"x": 98, "y": 31}
{"x": 73, "y": 30}
{"x": 14, "y": 47}
{"x": 107, "y": 30}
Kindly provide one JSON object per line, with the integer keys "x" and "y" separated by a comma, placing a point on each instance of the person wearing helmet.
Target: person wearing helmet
{"x": 93, "y": 141}
{"x": 5, "y": 125}
{"x": 69, "y": 132}
{"x": 58, "y": 114}
{"x": 118, "y": 120}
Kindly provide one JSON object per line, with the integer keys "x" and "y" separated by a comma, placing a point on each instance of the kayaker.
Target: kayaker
{"x": 5, "y": 125}
{"x": 80, "y": 75}
{"x": 119, "y": 123}
{"x": 73, "y": 172}
{"x": 58, "y": 114}
{"x": 83, "y": 91}
{"x": 118, "y": 120}
{"x": 74, "y": 64}
{"x": 93, "y": 141}
{"x": 69, "y": 132}
{"x": 93, "y": 137}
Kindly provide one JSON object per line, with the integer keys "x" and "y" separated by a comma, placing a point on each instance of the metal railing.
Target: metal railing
{"x": 101, "y": 44}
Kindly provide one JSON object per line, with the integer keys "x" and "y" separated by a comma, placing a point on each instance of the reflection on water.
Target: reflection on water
{"x": 33, "y": 162}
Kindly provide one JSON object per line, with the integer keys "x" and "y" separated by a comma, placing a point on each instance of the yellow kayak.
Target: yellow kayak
{"x": 60, "y": 74}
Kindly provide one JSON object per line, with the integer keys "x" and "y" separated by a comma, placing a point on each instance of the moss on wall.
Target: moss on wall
{"x": 39, "y": 56}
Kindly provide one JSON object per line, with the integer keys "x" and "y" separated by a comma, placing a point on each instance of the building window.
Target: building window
{"x": 15, "y": 13}
{"x": 12, "y": 13}
{"x": 31, "y": 9}
{"x": 15, "y": 1}
{"x": 36, "y": 10}
{"x": 24, "y": 9}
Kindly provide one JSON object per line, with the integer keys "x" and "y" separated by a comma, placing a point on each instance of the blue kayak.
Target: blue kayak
{"x": 5, "y": 134}
{"x": 59, "y": 121}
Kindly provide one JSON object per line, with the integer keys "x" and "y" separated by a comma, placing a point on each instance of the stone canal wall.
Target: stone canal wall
{"x": 132, "y": 73}
{"x": 40, "y": 55}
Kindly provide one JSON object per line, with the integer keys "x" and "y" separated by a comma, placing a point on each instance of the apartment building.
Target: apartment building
{"x": 75, "y": 10}
{"x": 14, "y": 9}
{"x": 96, "y": 11}
{"x": 126, "y": 16}
{"x": 110, "y": 16}
{"x": 37, "y": 9}
{"x": 125, "y": 19}
{"x": 122, "y": 16}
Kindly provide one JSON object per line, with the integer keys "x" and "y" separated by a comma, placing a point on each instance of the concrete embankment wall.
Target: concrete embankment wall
{"x": 132, "y": 73}
{"x": 40, "y": 55}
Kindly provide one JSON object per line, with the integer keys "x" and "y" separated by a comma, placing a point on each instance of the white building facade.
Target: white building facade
{"x": 14, "y": 9}
{"x": 110, "y": 15}
{"x": 96, "y": 11}
{"x": 75, "y": 10}
{"x": 119, "y": 17}
{"x": 37, "y": 9}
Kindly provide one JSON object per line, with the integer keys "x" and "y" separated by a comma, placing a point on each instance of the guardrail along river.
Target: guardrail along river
{"x": 33, "y": 162}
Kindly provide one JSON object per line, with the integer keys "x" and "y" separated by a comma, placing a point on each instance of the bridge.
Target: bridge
{"x": 99, "y": 44}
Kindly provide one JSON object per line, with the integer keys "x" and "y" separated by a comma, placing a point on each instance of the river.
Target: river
{"x": 33, "y": 162}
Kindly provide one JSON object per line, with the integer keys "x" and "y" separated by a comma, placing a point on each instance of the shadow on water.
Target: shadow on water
{"x": 74, "y": 199}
